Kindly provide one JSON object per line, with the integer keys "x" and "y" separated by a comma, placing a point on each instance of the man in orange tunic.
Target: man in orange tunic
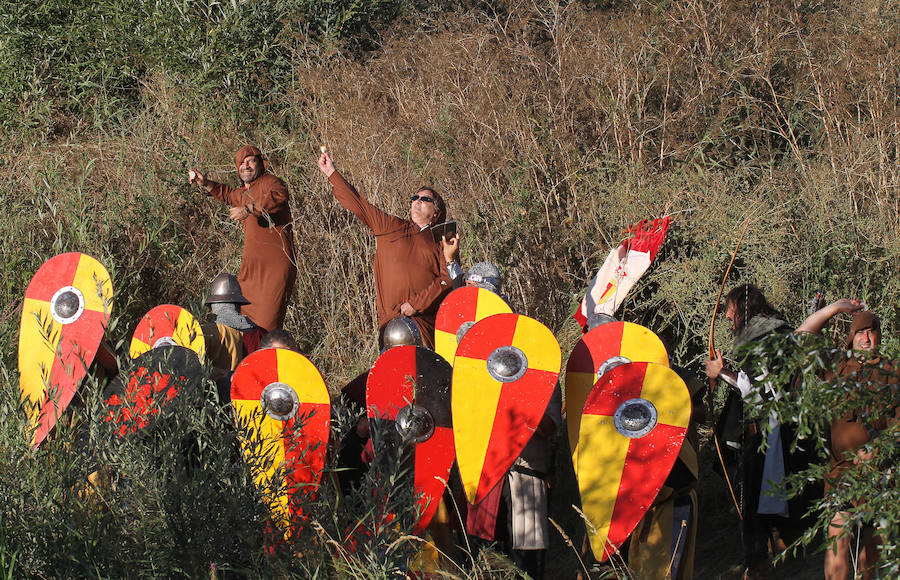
{"x": 410, "y": 277}
{"x": 268, "y": 265}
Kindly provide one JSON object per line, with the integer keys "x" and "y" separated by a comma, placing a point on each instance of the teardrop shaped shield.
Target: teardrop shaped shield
{"x": 284, "y": 414}
{"x": 504, "y": 374}
{"x": 64, "y": 315}
{"x": 598, "y": 352}
{"x": 167, "y": 324}
{"x": 634, "y": 422}
{"x": 458, "y": 312}
{"x": 408, "y": 391}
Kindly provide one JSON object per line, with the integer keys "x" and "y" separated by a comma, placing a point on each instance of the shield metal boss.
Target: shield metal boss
{"x": 458, "y": 312}
{"x": 505, "y": 371}
{"x": 409, "y": 388}
{"x": 155, "y": 378}
{"x": 64, "y": 315}
{"x": 635, "y": 419}
{"x": 167, "y": 324}
{"x": 284, "y": 415}
{"x": 598, "y": 352}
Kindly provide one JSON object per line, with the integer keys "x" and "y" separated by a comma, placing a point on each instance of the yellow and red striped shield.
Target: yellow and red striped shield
{"x": 167, "y": 324}
{"x": 505, "y": 370}
{"x": 64, "y": 315}
{"x": 458, "y": 312}
{"x": 284, "y": 412}
{"x": 598, "y": 351}
{"x": 635, "y": 419}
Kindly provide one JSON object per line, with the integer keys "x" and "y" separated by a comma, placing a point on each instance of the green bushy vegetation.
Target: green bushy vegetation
{"x": 548, "y": 127}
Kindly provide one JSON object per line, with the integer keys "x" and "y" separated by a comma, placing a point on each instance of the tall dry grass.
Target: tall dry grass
{"x": 548, "y": 127}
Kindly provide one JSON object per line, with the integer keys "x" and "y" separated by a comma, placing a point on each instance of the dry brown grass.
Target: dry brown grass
{"x": 548, "y": 127}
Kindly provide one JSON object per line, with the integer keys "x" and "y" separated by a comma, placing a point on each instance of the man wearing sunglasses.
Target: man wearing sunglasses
{"x": 410, "y": 278}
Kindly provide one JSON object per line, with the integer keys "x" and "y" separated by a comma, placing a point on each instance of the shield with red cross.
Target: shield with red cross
{"x": 284, "y": 414}
{"x": 64, "y": 315}
{"x": 504, "y": 374}
{"x": 600, "y": 350}
{"x": 635, "y": 419}
{"x": 167, "y": 324}
{"x": 458, "y": 312}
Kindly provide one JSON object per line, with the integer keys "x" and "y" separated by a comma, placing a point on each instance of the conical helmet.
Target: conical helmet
{"x": 226, "y": 288}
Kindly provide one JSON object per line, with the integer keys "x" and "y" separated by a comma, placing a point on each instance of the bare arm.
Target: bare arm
{"x": 816, "y": 321}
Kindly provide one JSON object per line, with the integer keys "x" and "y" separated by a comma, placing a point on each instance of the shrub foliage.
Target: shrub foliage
{"x": 548, "y": 127}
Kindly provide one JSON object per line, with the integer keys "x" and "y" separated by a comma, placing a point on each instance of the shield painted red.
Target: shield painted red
{"x": 284, "y": 412}
{"x": 64, "y": 315}
{"x": 167, "y": 324}
{"x": 504, "y": 374}
{"x": 140, "y": 396}
{"x": 458, "y": 312}
{"x": 409, "y": 387}
{"x": 599, "y": 351}
{"x": 635, "y": 419}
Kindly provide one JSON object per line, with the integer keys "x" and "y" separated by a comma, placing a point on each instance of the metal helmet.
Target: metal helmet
{"x": 399, "y": 331}
{"x": 485, "y": 275}
{"x": 226, "y": 288}
{"x": 598, "y": 318}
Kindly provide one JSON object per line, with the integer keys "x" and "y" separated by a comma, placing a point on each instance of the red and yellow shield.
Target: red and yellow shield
{"x": 458, "y": 312}
{"x": 170, "y": 325}
{"x": 64, "y": 315}
{"x": 284, "y": 412}
{"x": 409, "y": 388}
{"x": 505, "y": 371}
{"x": 139, "y": 397}
{"x": 599, "y": 351}
{"x": 634, "y": 422}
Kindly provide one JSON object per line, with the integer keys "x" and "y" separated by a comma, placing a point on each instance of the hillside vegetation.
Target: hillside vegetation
{"x": 547, "y": 126}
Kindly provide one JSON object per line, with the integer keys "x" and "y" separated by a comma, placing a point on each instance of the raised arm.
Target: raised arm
{"x": 377, "y": 220}
{"x": 241, "y": 206}
{"x": 816, "y": 321}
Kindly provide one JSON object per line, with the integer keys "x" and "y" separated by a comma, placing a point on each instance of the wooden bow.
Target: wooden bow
{"x": 712, "y": 354}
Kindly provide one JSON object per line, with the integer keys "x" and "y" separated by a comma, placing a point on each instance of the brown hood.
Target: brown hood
{"x": 246, "y": 151}
{"x": 863, "y": 319}
{"x": 441, "y": 215}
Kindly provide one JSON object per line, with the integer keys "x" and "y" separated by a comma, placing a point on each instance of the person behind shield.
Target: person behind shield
{"x": 410, "y": 278}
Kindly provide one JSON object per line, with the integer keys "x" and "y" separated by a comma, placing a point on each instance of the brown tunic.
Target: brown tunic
{"x": 268, "y": 268}
{"x": 849, "y": 432}
{"x": 409, "y": 265}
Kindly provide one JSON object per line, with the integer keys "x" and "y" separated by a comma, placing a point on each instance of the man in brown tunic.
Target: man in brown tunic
{"x": 853, "y": 430}
{"x": 268, "y": 269}
{"x": 410, "y": 278}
